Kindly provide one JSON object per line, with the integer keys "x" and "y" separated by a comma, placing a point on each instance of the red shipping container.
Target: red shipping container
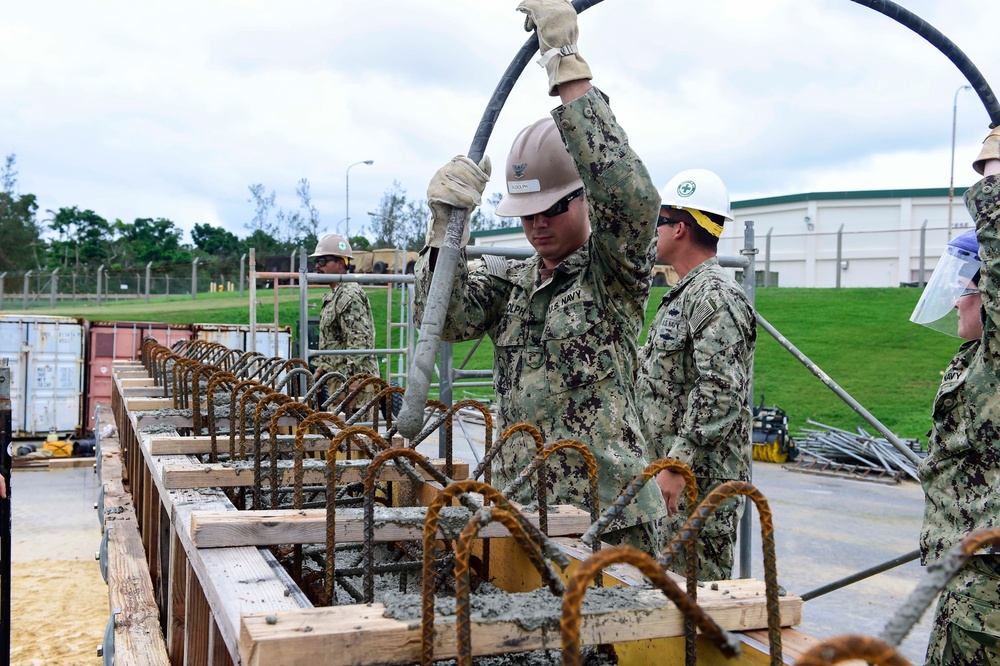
{"x": 109, "y": 341}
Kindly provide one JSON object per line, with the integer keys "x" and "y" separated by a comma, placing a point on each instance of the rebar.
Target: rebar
{"x": 938, "y": 575}
{"x": 463, "y": 548}
{"x": 578, "y": 583}
{"x": 851, "y": 646}
{"x": 688, "y": 533}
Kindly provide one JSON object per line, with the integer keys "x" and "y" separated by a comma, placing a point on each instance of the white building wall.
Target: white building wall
{"x": 880, "y": 236}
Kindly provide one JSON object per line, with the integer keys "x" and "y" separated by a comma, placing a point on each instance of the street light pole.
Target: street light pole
{"x": 347, "y": 197}
{"x": 951, "y": 181}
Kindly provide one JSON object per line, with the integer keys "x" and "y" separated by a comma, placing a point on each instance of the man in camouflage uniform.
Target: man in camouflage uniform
{"x": 564, "y": 323}
{"x": 345, "y": 320}
{"x": 695, "y": 368}
{"x": 961, "y": 473}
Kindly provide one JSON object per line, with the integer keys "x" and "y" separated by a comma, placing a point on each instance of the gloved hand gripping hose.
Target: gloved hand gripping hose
{"x": 421, "y": 367}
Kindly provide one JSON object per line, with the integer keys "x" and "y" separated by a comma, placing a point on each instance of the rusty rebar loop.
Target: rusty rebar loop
{"x": 196, "y": 377}
{"x": 313, "y": 392}
{"x": 633, "y": 488}
{"x": 428, "y": 428}
{"x": 241, "y": 364}
{"x": 361, "y": 412}
{"x": 218, "y": 379}
{"x": 145, "y": 347}
{"x": 569, "y": 625}
{"x": 359, "y": 382}
{"x": 167, "y": 360}
{"x": 459, "y": 490}
{"x": 253, "y": 365}
{"x": 463, "y": 549}
{"x": 258, "y": 480}
{"x": 274, "y": 368}
{"x": 849, "y": 647}
{"x": 341, "y": 390}
{"x": 291, "y": 374}
{"x": 688, "y": 534}
{"x": 292, "y": 408}
{"x": 243, "y": 385}
{"x": 241, "y": 412}
{"x": 938, "y": 575}
{"x": 225, "y": 362}
{"x": 320, "y": 419}
{"x": 294, "y": 367}
{"x": 397, "y": 455}
{"x": 178, "y": 399}
{"x": 155, "y": 356}
{"x": 188, "y": 374}
{"x": 183, "y": 369}
{"x": 213, "y": 353}
{"x": 384, "y": 394}
{"x": 447, "y": 417}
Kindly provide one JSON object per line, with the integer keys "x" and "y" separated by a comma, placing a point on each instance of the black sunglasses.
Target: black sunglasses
{"x": 323, "y": 261}
{"x": 661, "y": 220}
{"x": 558, "y": 208}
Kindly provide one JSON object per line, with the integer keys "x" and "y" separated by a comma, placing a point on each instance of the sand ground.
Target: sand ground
{"x": 59, "y": 601}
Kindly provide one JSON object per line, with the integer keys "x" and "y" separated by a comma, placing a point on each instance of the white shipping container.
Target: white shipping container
{"x": 265, "y": 341}
{"x": 46, "y": 359}
{"x": 237, "y": 336}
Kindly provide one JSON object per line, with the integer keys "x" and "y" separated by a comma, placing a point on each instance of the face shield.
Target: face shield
{"x": 952, "y": 276}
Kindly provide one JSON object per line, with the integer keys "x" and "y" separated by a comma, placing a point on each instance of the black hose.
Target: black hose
{"x": 506, "y": 84}
{"x": 945, "y": 46}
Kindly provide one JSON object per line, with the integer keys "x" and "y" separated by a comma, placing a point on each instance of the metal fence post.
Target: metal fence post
{"x": 73, "y": 299}
{"x": 149, "y": 272}
{"x": 3, "y": 277}
{"x": 194, "y": 278}
{"x": 168, "y": 284}
{"x": 253, "y": 302}
{"x": 27, "y": 284}
{"x": 923, "y": 254}
{"x": 767, "y": 258}
{"x": 100, "y": 271}
{"x": 53, "y": 287}
{"x": 6, "y": 432}
{"x": 840, "y": 247}
{"x": 304, "y": 315}
{"x": 243, "y": 268}
{"x": 745, "y": 528}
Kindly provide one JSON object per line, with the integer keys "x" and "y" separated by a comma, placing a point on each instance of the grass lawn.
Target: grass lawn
{"x": 861, "y": 338}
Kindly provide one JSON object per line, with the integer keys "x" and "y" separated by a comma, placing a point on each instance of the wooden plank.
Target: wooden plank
{"x": 138, "y": 639}
{"x": 360, "y": 634}
{"x": 166, "y": 445}
{"x": 135, "y": 382}
{"x": 196, "y": 624}
{"x": 176, "y": 600}
{"x": 221, "y": 475}
{"x": 139, "y": 404}
{"x": 288, "y": 526}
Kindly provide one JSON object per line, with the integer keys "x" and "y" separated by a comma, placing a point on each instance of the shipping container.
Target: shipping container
{"x": 46, "y": 368}
{"x": 237, "y": 336}
{"x": 119, "y": 341}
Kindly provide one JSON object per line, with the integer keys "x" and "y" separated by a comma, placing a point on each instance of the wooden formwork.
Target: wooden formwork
{"x": 197, "y": 583}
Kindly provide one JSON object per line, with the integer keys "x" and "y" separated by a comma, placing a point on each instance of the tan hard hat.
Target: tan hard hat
{"x": 539, "y": 171}
{"x": 333, "y": 245}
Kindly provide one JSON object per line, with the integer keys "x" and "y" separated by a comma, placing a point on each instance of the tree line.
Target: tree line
{"x": 72, "y": 239}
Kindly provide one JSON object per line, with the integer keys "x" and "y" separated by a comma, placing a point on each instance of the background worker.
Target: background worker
{"x": 564, "y": 323}
{"x": 693, "y": 387}
{"x": 345, "y": 320}
{"x": 961, "y": 473}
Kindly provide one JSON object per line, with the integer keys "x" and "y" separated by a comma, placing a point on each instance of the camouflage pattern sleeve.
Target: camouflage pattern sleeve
{"x": 623, "y": 200}
{"x": 478, "y": 299}
{"x": 983, "y": 201}
{"x": 359, "y": 330}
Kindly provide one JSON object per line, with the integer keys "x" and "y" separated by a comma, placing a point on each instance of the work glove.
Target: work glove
{"x": 555, "y": 23}
{"x": 458, "y": 184}
{"x": 990, "y": 151}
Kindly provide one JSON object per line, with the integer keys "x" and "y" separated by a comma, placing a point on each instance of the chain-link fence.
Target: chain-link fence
{"x": 49, "y": 289}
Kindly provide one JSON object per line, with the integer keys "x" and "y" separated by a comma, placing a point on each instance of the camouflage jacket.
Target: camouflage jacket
{"x": 346, "y": 322}
{"x": 961, "y": 473}
{"x": 694, "y": 379}
{"x": 565, "y": 350}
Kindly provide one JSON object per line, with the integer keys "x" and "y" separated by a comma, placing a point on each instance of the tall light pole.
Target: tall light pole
{"x": 951, "y": 181}
{"x": 347, "y": 197}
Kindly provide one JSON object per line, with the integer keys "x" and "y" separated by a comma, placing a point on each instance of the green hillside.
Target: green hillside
{"x": 861, "y": 338}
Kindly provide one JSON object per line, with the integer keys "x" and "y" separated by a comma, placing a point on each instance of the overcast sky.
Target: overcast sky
{"x": 173, "y": 109}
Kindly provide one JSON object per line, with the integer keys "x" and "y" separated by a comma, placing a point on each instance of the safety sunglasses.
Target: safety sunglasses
{"x": 323, "y": 261}
{"x": 558, "y": 208}
{"x": 661, "y": 220}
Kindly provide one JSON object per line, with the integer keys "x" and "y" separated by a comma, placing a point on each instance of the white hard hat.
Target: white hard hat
{"x": 333, "y": 245}
{"x": 697, "y": 189}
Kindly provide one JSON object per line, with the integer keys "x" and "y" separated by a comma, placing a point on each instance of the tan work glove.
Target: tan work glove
{"x": 458, "y": 184}
{"x": 555, "y": 23}
{"x": 990, "y": 151}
